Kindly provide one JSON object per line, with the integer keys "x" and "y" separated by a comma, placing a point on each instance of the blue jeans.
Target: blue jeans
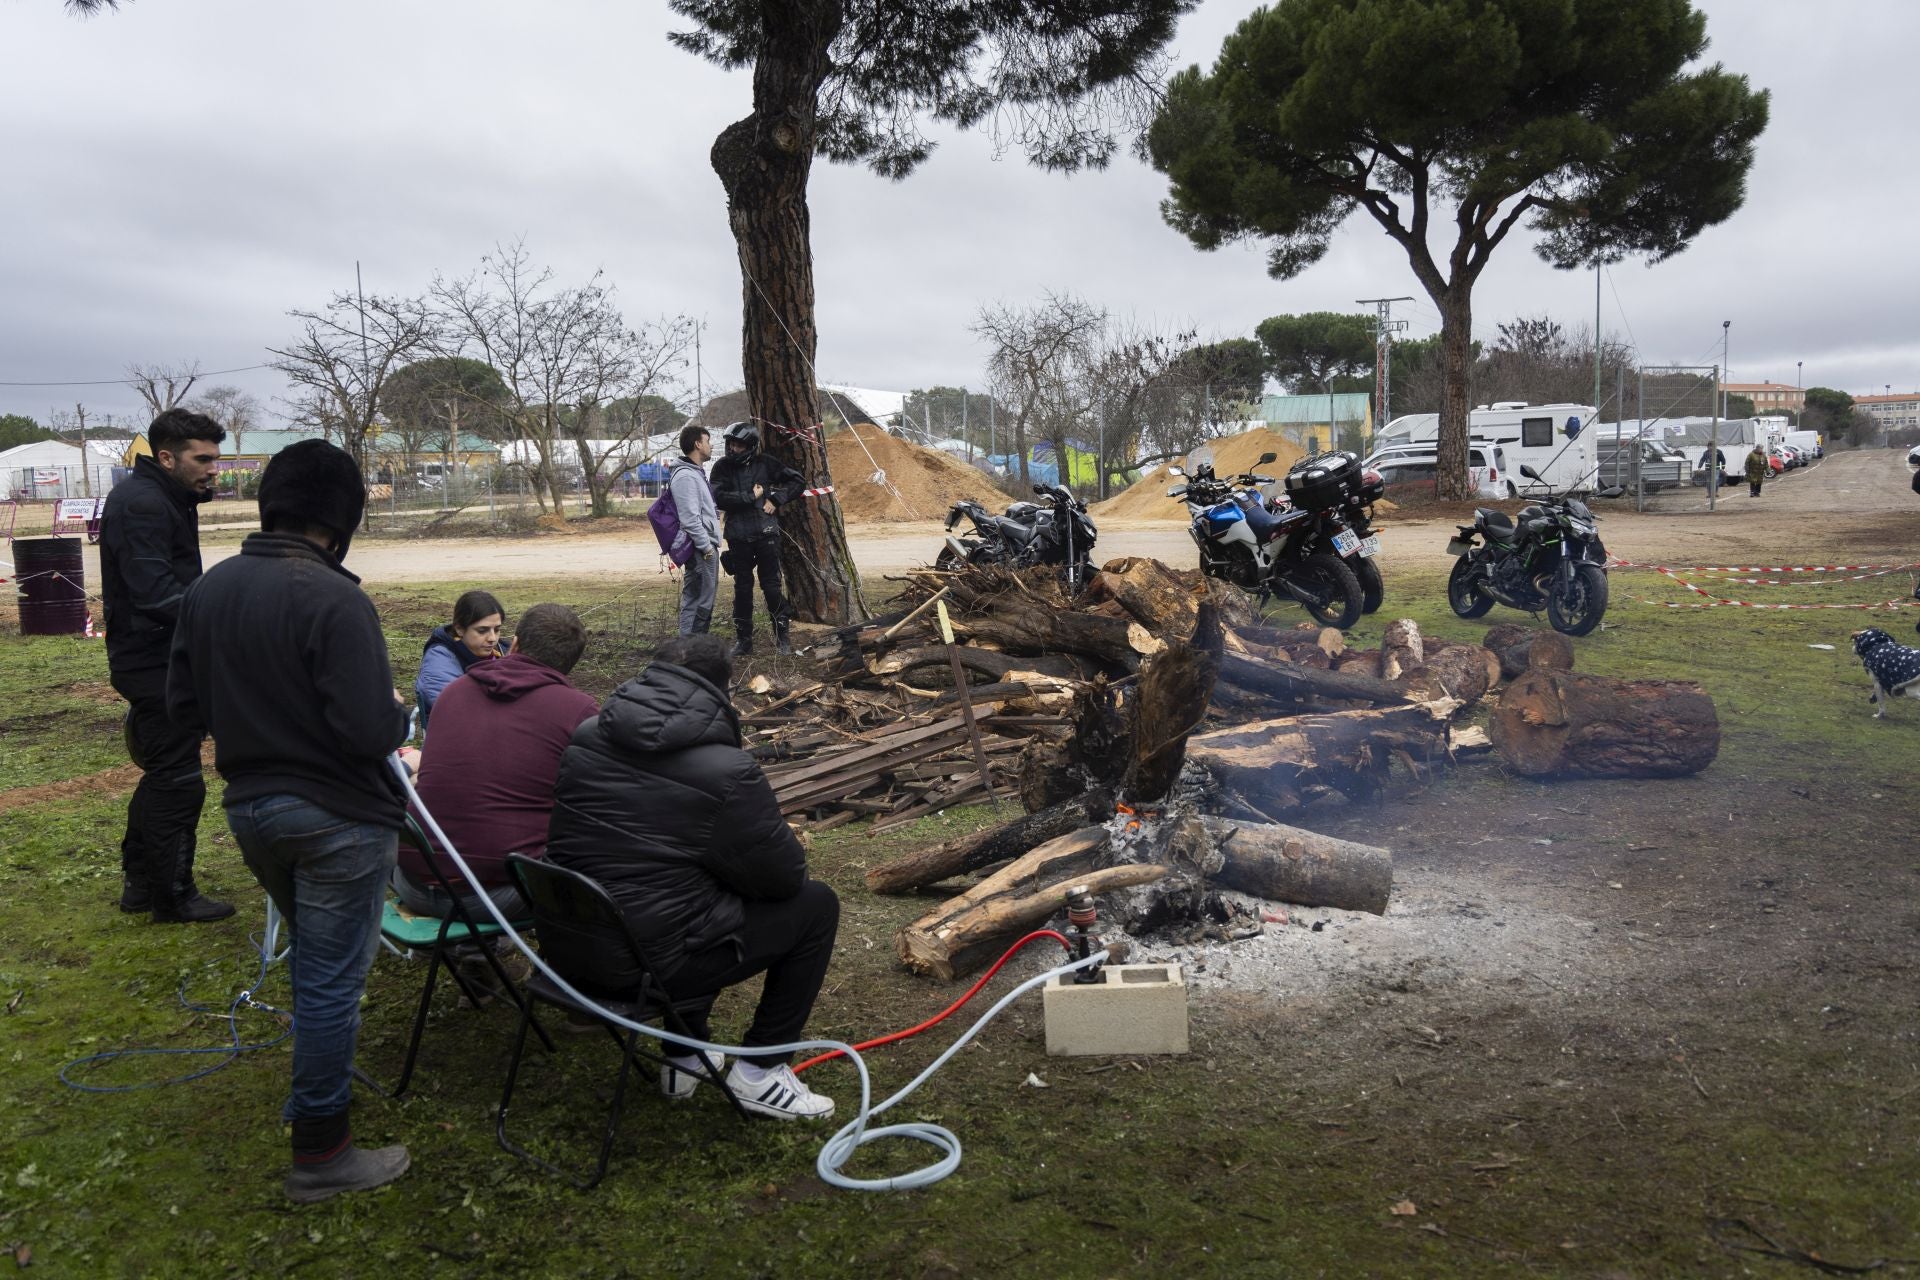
{"x": 328, "y": 875}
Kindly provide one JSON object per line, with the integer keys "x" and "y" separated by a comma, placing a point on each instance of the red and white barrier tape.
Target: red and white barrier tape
{"x": 1762, "y": 568}
{"x": 821, "y": 492}
{"x": 1718, "y": 601}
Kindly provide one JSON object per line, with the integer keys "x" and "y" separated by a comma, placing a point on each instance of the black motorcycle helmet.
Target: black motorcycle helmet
{"x": 744, "y": 434}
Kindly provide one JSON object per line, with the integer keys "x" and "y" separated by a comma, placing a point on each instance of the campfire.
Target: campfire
{"x": 1161, "y": 742}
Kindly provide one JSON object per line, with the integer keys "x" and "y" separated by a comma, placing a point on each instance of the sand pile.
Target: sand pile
{"x": 1231, "y": 455}
{"x": 921, "y": 483}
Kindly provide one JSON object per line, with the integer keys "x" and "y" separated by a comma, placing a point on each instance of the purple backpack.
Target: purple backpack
{"x": 664, "y": 516}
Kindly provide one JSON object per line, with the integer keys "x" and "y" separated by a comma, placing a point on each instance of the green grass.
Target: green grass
{"x": 1232, "y": 1161}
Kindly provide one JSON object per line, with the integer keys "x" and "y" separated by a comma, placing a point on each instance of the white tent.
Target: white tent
{"x": 46, "y": 469}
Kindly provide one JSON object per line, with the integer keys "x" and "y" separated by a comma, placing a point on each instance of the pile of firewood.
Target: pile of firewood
{"x": 1160, "y": 740}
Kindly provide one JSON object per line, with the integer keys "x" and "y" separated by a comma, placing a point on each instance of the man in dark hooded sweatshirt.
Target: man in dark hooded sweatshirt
{"x": 280, "y": 656}
{"x": 486, "y": 774}
{"x": 657, "y": 802}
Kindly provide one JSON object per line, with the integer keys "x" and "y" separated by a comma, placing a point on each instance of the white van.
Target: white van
{"x": 1553, "y": 439}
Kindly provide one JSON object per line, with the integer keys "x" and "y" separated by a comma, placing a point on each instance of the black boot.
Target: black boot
{"x": 135, "y": 898}
{"x": 782, "y": 643}
{"x": 326, "y": 1163}
{"x": 175, "y": 898}
{"x": 743, "y": 645}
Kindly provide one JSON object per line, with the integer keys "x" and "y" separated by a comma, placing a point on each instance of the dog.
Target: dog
{"x": 1893, "y": 667}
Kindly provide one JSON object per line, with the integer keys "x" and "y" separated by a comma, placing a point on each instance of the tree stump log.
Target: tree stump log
{"x": 996, "y": 844}
{"x": 1281, "y": 765}
{"x": 1167, "y": 704}
{"x": 1457, "y": 671}
{"x": 1515, "y": 645}
{"x": 1289, "y": 864}
{"x": 1558, "y": 724}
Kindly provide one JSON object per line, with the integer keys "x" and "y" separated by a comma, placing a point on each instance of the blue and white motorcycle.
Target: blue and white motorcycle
{"x": 1266, "y": 552}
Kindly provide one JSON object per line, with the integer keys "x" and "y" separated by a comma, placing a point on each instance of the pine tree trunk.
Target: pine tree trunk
{"x": 1456, "y": 345}
{"x": 763, "y": 162}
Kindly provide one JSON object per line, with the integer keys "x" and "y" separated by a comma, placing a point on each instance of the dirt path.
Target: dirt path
{"x": 1882, "y": 518}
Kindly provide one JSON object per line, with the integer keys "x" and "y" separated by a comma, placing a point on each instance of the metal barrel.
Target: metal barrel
{"x": 52, "y": 578}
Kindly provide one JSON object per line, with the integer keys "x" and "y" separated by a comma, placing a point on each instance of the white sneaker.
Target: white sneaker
{"x": 778, "y": 1093}
{"x": 679, "y": 1081}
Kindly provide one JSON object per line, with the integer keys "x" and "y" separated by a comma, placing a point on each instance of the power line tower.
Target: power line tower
{"x": 1385, "y": 326}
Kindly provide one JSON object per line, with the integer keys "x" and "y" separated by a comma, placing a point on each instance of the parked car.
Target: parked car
{"x": 1913, "y": 456}
{"x": 1657, "y": 468}
{"x": 1415, "y": 468}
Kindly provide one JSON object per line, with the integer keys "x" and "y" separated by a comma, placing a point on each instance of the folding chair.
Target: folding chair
{"x": 438, "y": 936}
{"x": 581, "y": 929}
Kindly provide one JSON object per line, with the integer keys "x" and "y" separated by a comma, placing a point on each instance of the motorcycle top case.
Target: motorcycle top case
{"x": 1321, "y": 482}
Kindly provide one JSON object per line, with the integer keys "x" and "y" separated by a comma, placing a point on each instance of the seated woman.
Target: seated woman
{"x": 473, "y": 637}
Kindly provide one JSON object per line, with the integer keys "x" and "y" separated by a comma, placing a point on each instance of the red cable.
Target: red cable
{"x": 941, "y": 1016}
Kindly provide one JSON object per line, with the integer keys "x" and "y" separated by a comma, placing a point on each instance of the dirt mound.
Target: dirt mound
{"x": 921, "y": 483}
{"x": 1147, "y": 499}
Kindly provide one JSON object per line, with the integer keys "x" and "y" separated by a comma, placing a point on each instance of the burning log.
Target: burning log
{"x": 1282, "y": 765}
{"x": 984, "y": 848}
{"x": 1289, "y": 864}
{"x": 1554, "y": 723}
{"x": 1522, "y": 647}
{"x": 963, "y": 932}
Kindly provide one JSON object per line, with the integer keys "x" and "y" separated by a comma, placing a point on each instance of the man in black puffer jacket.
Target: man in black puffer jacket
{"x": 750, "y": 488}
{"x": 657, "y": 802}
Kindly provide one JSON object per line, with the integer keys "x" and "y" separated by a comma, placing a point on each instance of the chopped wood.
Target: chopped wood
{"x": 1401, "y": 651}
{"x": 1514, "y": 642}
{"x": 996, "y": 844}
{"x": 1290, "y": 680}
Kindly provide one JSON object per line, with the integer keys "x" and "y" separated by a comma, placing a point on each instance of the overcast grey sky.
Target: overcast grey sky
{"x": 180, "y": 173}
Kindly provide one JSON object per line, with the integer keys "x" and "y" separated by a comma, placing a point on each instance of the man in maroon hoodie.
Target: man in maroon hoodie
{"x": 487, "y": 772}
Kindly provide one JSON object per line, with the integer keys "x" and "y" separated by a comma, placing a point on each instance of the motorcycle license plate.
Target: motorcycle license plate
{"x": 1345, "y": 542}
{"x": 1369, "y": 546}
{"x": 1459, "y": 547}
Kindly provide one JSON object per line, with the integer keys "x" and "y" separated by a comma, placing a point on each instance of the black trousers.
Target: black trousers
{"x": 791, "y": 942}
{"x": 164, "y": 813}
{"x": 760, "y": 553}
{"x": 1753, "y": 487}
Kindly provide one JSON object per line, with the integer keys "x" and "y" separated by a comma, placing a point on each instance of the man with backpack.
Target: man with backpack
{"x": 700, "y": 522}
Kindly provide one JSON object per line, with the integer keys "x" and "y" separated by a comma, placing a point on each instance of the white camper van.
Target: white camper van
{"x": 1556, "y": 440}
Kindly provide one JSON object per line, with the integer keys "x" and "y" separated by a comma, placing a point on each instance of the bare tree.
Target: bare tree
{"x": 560, "y": 352}
{"x": 609, "y": 437}
{"x": 236, "y": 410}
{"x": 163, "y": 387}
{"x": 1036, "y": 353}
{"x": 341, "y": 360}
{"x": 1132, "y": 366}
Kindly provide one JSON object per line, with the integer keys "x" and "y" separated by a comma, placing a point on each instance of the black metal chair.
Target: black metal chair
{"x": 582, "y": 932}
{"x": 438, "y": 937}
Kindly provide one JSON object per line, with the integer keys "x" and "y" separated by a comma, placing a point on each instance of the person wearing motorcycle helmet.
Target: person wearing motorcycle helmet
{"x": 750, "y": 488}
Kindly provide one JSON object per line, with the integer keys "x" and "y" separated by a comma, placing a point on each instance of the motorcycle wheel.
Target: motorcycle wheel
{"x": 1329, "y": 572}
{"x": 1576, "y": 609}
{"x": 1372, "y": 589}
{"x": 947, "y": 561}
{"x": 1466, "y": 602}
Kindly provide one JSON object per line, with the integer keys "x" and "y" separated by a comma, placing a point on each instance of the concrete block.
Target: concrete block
{"x": 1133, "y": 1009}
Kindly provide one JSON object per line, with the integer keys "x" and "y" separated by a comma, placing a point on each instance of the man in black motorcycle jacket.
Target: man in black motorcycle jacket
{"x": 750, "y": 488}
